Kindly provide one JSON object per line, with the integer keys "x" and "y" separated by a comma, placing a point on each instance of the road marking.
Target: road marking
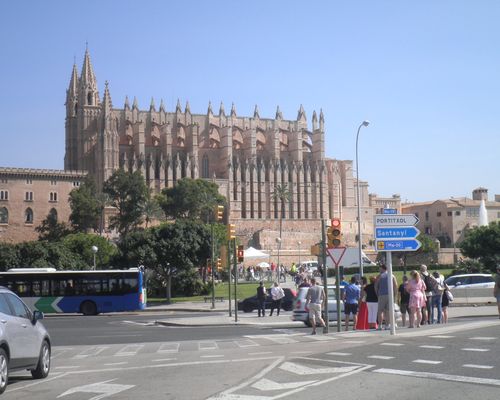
{"x": 281, "y": 339}
{"x": 258, "y": 353}
{"x": 431, "y": 347}
{"x": 68, "y": 367}
{"x": 339, "y": 354}
{"x": 56, "y": 352}
{"x": 267, "y": 384}
{"x": 381, "y": 357}
{"x": 427, "y": 362}
{"x": 471, "y": 349}
{"x": 105, "y": 389}
{"x": 117, "y": 363}
{"x": 354, "y": 341}
{"x": 207, "y": 345}
{"x": 477, "y": 366}
{"x": 442, "y": 337}
{"x": 483, "y": 338}
{"x": 212, "y": 356}
{"x": 129, "y": 350}
{"x": 164, "y": 359}
{"x": 443, "y": 377}
{"x": 392, "y": 344}
{"x": 300, "y": 352}
{"x": 320, "y": 338}
{"x": 169, "y": 348}
{"x": 91, "y": 352}
{"x": 245, "y": 343}
{"x": 303, "y": 370}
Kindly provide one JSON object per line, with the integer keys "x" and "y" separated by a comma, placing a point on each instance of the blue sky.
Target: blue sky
{"x": 425, "y": 73}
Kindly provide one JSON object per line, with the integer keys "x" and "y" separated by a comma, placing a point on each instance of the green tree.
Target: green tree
{"x": 51, "y": 230}
{"x": 483, "y": 244}
{"x": 152, "y": 210}
{"x": 85, "y": 206}
{"x": 9, "y": 256}
{"x": 168, "y": 250}
{"x": 81, "y": 244}
{"x": 191, "y": 199}
{"x": 128, "y": 194}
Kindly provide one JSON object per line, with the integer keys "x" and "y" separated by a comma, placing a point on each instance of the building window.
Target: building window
{"x": 457, "y": 213}
{"x": 4, "y": 180}
{"x": 459, "y": 232}
{"x": 449, "y": 213}
{"x": 76, "y": 183}
{"x": 53, "y": 214}
{"x": 428, "y": 231}
{"x": 472, "y": 212}
{"x": 53, "y": 196}
{"x": 205, "y": 167}
{"x": 28, "y": 216}
{"x": 29, "y": 181}
{"x": 427, "y": 215}
{"x": 438, "y": 214}
{"x": 4, "y": 195}
{"x": 4, "y": 215}
{"x": 53, "y": 183}
{"x": 28, "y": 196}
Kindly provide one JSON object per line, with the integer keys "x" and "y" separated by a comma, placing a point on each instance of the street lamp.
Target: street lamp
{"x": 278, "y": 240}
{"x": 299, "y": 243}
{"x": 364, "y": 123}
{"x": 95, "y": 249}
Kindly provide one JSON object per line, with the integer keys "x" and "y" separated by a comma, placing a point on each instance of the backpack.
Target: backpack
{"x": 436, "y": 286}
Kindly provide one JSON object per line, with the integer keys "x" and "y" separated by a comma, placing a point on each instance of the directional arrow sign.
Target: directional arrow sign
{"x": 403, "y": 232}
{"x": 396, "y": 220}
{"x": 398, "y": 245}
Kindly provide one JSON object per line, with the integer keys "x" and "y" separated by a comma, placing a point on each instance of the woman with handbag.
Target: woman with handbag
{"x": 447, "y": 299}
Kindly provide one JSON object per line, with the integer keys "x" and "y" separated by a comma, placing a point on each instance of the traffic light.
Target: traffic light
{"x": 241, "y": 254}
{"x": 219, "y": 212}
{"x": 219, "y": 264}
{"x": 231, "y": 231}
{"x": 336, "y": 233}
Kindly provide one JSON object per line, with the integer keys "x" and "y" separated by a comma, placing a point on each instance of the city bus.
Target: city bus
{"x": 86, "y": 292}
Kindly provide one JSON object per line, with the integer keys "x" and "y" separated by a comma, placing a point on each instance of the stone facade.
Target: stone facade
{"x": 27, "y": 196}
{"x": 447, "y": 220}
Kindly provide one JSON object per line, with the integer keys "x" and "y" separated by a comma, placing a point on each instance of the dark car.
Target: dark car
{"x": 251, "y": 303}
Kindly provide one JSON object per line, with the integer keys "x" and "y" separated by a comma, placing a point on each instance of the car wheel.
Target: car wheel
{"x": 88, "y": 308}
{"x": 43, "y": 367}
{"x": 4, "y": 370}
{"x": 247, "y": 308}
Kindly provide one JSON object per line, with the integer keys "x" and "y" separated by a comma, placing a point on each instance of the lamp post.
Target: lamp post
{"x": 95, "y": 249}
{"x": 278, "y": 240}
{"x": 364, "y": 123}
{"x": 299, "y": 243}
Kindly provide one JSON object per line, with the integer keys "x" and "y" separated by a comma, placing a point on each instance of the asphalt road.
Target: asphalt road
{"x": 460, "y": 360}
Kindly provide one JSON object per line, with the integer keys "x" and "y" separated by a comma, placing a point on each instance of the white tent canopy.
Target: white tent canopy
{"x": 254, "y": 253}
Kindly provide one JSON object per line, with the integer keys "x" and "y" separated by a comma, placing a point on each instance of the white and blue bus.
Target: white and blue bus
{"x": 86, "y": 292}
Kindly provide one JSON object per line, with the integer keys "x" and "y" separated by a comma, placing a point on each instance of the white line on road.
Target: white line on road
{"x": 354, "y": 341}
{"x": 477, "y": 366}
{"x": 281, "y": 339}
{"x": 91, "y": 352}
{"x": 472, "y": 349}
{"x": 427, "y": 362}
{"x": 381, "y": 357}
{"x": 392, "y": 344}
{"x": 431, "y": 347}
{"x": 320, "y": 338}
{"x": 483, "y": 338}
{"x": 169, "y": 348}
{"x": 116, "y": 363}
{"x": 213, "y": 356}
{"x": 443, "y": 377}
{"x": 207, "y": 346}
{"x": 245, "y": 343}
{"x": 129, "y": 350}
{"x": 442, "y": 337}
{"x": 67, "y": 367}
{"x": 260, "y": 353}
{"x": 164, "y": 359}
{"x": 339, "y": 354}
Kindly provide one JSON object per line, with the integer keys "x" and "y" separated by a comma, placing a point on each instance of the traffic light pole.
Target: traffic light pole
{"x": 325, "y": 275}
{"x": 229, "y": 276}
{"x": 235, "y": 265}
{"x": 212, "y": 266}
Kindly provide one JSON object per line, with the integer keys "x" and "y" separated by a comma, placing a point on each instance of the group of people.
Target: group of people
{"x": 277, "y": 294}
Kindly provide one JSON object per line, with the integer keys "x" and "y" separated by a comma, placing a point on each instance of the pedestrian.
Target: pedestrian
{"x": 416, "y": 288}
{"x": 371, "y": 302}
{"x": 437, "y": 283}
{"x": 426, "y": 313}
{"x": 404, "y": 300}
{"x": 351, "y": 298}
{"x": 382, "y": 289}
{"x": 305, "y": 282}
{"x": 277, "y": 294}
{"x": 314, "y": 299}
{"x": 496, "y": 289}
{"x": 447, "y": 298}
{"x": 261, "y": 298}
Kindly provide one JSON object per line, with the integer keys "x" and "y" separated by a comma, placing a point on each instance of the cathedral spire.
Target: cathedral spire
{"x": 321, "y": 120}
{"x": 315, "y": 120}
{"x": 127, "y": 105}
{"x": 152, "y": 106}
{"x": 107, "y": 104}
{"x": 188, "y": 108}
{"x": 134, "y": 104}
{"x": 73, "y": 83}
{"x": 162, "y": 106}
{"x": 233, "y": 110}
{"x": 301, "y": 115}
{"x": 209, "y": 111}
{"x": 88, "y": 82}
{"x": 178, "y": 107}
{"x": 279, "y": 114}
{"x": 221, "y": 109}
{"x": 256, "y": 112}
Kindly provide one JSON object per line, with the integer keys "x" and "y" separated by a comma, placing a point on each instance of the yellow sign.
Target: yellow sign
{"x": 380, "y": 245}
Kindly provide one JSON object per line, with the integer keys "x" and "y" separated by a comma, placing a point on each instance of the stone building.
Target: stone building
{"x": 28, "y": 195}
{"x": 447, "y": 220}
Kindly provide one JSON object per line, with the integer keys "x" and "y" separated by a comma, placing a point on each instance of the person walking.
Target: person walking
{"x": 314, "y": 299}
{"x": 371, "y": 302}
{"x": 446, "y": 302}
{"x": 261, "y": 298}
{"x": 382, "y": 290}
{"x": 277, "y": 294}
{"x": 416, "y": 288}
{"x": 426, "y": 312}
{"x": 437, "y": 282}
{"x": 404, "y": 300}
{"x": 351, "y": 298}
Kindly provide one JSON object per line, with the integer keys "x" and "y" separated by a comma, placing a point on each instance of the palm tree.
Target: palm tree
{"x": 282, "y": 194}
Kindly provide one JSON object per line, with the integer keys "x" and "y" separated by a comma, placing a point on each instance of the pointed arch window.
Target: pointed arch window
{"x": 4, "y": 215}
{"x": 205, "y": 171}
{"x": 28, "y": 216}
{"x": 89, "y": 98}
{"x": 53, "y": 214}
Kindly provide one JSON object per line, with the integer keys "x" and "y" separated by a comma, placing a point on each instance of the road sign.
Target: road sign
{"x": 336, "y": 254}
{"x": 396, "y": 232}
{"x": 396, "y": 220}
{"x": 386, "y": 211}
{"x": 397, "y": 245}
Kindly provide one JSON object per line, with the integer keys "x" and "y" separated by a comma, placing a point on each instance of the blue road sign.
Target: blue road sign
{"x": 396, "y": 232}
{"x": 398, "y": 245}
{"x": 389, "y": 211}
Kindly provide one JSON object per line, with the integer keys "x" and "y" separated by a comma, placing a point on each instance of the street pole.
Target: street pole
{"x": 212, "y": 264}
{"x": 279, "y": 249}
{"x": 360, "y": 241}
{"x": 391, "y": 292}
{"x": 337, "y": 295}
{"x": 235, "y": 265}
{"x": 325, "y": 275}
{"x": 229, "y": 275}
{"x": 299, "y": 243}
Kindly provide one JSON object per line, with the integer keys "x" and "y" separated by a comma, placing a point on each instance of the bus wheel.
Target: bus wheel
{"x": 88, "y": 308}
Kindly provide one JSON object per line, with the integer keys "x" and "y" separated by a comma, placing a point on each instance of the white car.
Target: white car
{"x": 24, "y": 341}
{"x": 472, "y": 288}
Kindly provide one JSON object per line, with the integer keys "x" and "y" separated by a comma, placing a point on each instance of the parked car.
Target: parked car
{"x": 301, "y": 312}
{"x": 24, "y": 341}
{"x": 251, "y": 303}
{"x": 472, "y": 288}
